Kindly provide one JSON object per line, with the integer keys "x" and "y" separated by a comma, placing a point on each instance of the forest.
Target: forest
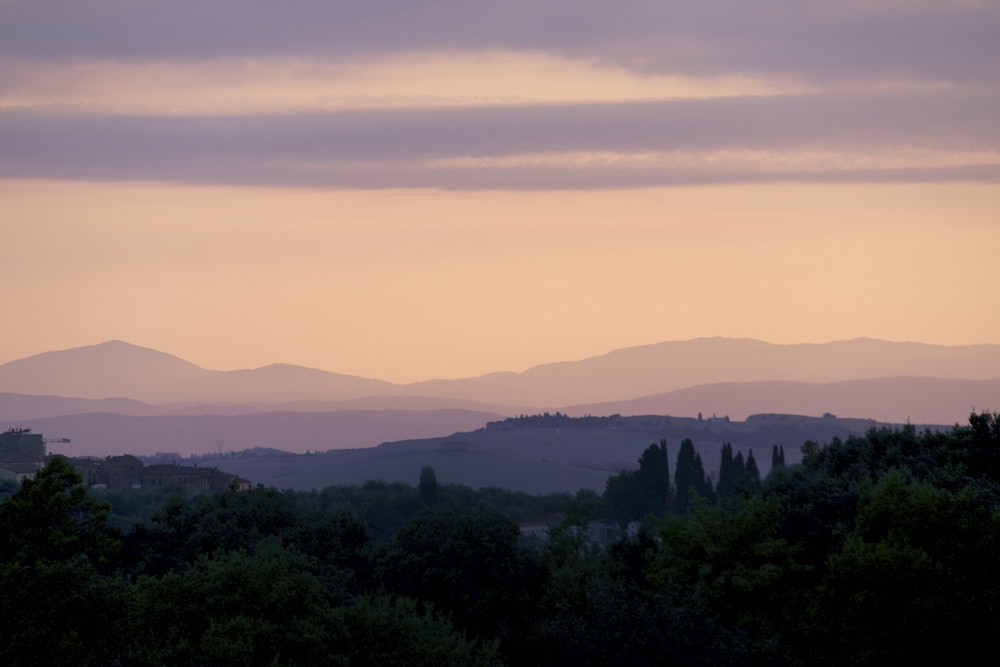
{"x": 876, "y": 549}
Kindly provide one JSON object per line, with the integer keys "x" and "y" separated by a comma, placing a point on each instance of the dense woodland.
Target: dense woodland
{"x": 879, "y": 549}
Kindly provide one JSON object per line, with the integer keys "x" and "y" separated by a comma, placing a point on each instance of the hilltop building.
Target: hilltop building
{"x": 20, "y": 445}
{"x": 115, "y": 473}
{"x": 22, "y": 453}
{"x": 127, "y": 473}
{"x": 192, "y": 479}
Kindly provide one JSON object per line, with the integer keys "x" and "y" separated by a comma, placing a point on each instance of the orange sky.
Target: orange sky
{"x": 405, "y": 195}
{"x": 406, "y": 285}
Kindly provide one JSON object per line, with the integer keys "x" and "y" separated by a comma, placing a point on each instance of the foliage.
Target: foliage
{"x": 877, "y": 549}
{"x": 381, "y": 630}
{"x": 917, "y": 564}
{"x": 633, "y": 494}
{"x": 428, "y": 484}
{"x": 59, "y": 597}
{"x": 53, "y": 518}
{"x": 258, "y": 608}
{"x": 467, "y": 564}
{"x": 689, "y": 479}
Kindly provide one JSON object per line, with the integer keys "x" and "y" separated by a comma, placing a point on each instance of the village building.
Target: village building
{"x": 192, "y": 479}
{"x": 115, "y": 473}
{"x": 22, "y": 453}
{"x": 20, "y": 445}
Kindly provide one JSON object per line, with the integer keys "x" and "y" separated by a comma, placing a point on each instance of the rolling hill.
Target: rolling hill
{"x": 116, "y": 369}
{"x": 563, "y": 457}
{"x": 116, "y": 397}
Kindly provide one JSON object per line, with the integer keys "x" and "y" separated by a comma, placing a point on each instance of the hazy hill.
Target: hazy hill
{"x": 276, "y": 383}
{"x": 890, "y": 399}
{"x": 24, "y": 407}
{"x": 103, "y": 434}
{"x": 118, "y": 369}
{"x": 108, "y": 370}
{"x": 540, "y": 459}
{"x": 652, "y": 369}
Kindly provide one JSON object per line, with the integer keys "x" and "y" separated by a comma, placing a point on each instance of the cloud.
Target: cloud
{"x": 819, "y": 39}
{"x": 861, "y": 136}
{"x": 263, "y": 86}
{"x": 458, "y": 95}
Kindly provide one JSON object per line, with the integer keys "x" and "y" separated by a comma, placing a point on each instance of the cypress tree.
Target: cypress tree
{"x": 654, "y": 479}
{"x": 727, "y": 479}
{"x": 703, "y": 483}
{"x": 689, "y": 477}
{"x": 739, "y": 469}
{"x": 776, "y": 459}
{"x": 752, "y": 475}
{"x": 428, "y": 484}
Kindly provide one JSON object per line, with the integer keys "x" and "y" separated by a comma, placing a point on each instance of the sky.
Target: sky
{"x": 410, "y": 190}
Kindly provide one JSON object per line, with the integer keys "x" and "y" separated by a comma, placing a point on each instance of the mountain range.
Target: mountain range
{"x": 116, "y": 397}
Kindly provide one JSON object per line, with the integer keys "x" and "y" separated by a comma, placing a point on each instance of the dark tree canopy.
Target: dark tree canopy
{"x": 690, "y": 480}
{"x": 877, "y": 549}
{"x": 632, "y": 495}
{"x": 428, "y": 484}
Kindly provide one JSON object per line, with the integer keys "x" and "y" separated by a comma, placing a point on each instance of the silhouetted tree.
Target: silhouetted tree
{"x": 752, "y": 474}
{"x": 654, "y": 480}
{"x": 777, "y": 458}
{"x": 727, "y": 473}
{"x": 631, "y": 495}
{"x": 428, "y": 484}
{"x": 58, "y": 601}
{"x": 689, "y": 478}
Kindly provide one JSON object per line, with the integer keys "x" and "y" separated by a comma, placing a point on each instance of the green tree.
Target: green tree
{"x": 53, "y": 517}
{"x": 259, "y": 608}
{"x": 751, "y": 476}
{"x": 733, "y": 559}
{"x": 634, "y": 494}
{"x": 690, "y": 480}
{"x": 654, "y": 480}
{"x": 428, "y": 484}
{"x": 57, "y": 597}
{"x": 918, "y": 564}
{"x": 397, "y": 632}
{"x": 727, "y": 473}
{"x": 777, "y": 458}
{"x": 468, "y": 564}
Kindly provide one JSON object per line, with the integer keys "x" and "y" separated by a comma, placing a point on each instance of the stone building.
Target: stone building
{"x": 20, "y": 445}
{"x": 22, "y": 453}
{"x": 192, "y": 479}
{"x": 115, "y": 473}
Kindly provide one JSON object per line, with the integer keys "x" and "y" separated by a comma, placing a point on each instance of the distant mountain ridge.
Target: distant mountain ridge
{"x": 106, "y": 434}
{"x": 651, "y": 369}
{"x": 543, "y": 455}
{"x": 116, "y": 369}
{"x": 113, "y": 369}
{"x": 918, "y": 400}
{"x": 863, "y": 378}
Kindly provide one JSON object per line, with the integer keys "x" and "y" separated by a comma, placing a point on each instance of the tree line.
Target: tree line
{"x": 878, "y": 549}
{"x": 634, "y": 494}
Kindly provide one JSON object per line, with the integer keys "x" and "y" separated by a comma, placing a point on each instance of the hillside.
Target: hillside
{"x": 651, "y": 369}
{"x": 118, "y": 369}
{"x": 116, "y": 397}
{"x": 889, "y": 399}
{"x": 564, "y": 455}
{"x": 104, "y": 434}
